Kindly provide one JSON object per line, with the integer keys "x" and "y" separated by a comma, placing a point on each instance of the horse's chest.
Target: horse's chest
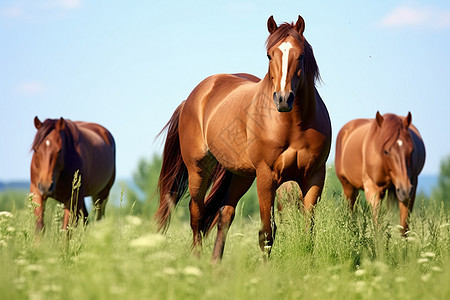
{"x": 293, "y": 163}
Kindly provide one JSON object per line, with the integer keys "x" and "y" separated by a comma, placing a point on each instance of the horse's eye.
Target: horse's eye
{"x": 386, "y": 152}
{"x": 269, "y": 57}
{"x": 301, "y": 56}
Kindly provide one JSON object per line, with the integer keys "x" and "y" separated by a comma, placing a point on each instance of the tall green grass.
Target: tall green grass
{"x": 122, "y": 256}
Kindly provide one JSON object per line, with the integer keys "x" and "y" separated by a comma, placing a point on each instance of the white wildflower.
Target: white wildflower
{"x": 411, "y": 239}
{"x": 133, "y": 220}
{"x": 426, "y": 277}
{"x": 445, "y": 225}
{"x": 147, "y": 241}
{"x": 21, "y": 261}
{"x": 436, "y": 269}
{"x": 428, "y": 254}
{"x": 6, "y": 214}
{"x": 422, "y": 260}
{"x": 254, "y": 280}
{"x": 169, "y": 271}
{"x": 194, "y": 271}
{"x": 52, "y": 288}
{"x": 400, "y": 279}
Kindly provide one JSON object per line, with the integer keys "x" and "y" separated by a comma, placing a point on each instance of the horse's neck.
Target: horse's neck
{"x": 373, "y": 145}
{"x": 72, "y": 157}
{"x": 305, "y": 102}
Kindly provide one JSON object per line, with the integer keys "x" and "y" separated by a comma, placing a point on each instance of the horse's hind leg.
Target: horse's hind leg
{"x": 99, "y": 201}
{"x": 238, "y": 187}
{"x": 199, "y": 173}
{"x": 350, "y": 193}
{"x": 74, "y": 213}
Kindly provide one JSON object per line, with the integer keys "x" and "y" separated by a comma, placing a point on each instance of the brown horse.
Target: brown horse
{"x": 233, "y": 128}
{"x": 378, "y": 155}
{"x": 61, "y": 148}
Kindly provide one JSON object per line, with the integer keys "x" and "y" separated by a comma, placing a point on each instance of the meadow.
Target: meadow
{"x": 123, "y": 257}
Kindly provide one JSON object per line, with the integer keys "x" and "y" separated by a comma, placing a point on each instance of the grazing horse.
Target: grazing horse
{"x": 61, "y": 148}
{"x": 378, "y": 155}
{"x": 235, "y": 127}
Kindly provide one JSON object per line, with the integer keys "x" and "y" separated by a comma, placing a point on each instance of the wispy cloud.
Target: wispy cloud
{"x": 12, "y": 12}
{"x": 417, "y": 16}
{"x": 30, "y": 88}
{"x": 66, "y": 4}
{"x": 31, "y": 9}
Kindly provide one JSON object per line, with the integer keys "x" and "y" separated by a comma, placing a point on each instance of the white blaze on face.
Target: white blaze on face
{"x": 284, "y": 47}
{"x": 47, "y": 143}
{"x": 400, "y": 142}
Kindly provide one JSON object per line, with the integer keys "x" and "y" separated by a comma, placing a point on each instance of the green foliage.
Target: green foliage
{"x": 442, "y": 191}
{"x": 11, "y": 200}
{"x": 122, "y": 257}
{"x": 142, "y": 200}
{"x": 147, "y": 174}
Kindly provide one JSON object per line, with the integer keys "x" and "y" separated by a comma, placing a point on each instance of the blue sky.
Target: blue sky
{"x": 128, "y": 64}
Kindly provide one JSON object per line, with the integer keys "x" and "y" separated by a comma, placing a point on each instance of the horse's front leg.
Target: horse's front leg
{"x": 373, "y": 196}
{"x": 405, "y": 208}
{"x": 39, "y": 201}
{"x": 266, "y": 188}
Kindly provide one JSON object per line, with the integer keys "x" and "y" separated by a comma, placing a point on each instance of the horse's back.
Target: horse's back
{"x": 217, "y": 88}
{"x": 216, "y": 109}
{"x": 349, "y": 145}
{"x": 96, "y": 132}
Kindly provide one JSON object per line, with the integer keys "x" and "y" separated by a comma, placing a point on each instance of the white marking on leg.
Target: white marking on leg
{"x": 400, "y": 142}
{"x": 284, "y": 47}
{"x": 47, "y": 143}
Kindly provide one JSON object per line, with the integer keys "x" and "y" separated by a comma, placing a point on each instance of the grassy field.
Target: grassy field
{"x": 122, "y": 257}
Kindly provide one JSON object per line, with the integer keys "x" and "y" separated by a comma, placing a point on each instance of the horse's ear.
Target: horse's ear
{"x": 300, "y": 25}
{"x": 379, "y": 118}
{"x": 37, "y": 123}
{"x": 271, "y": 25}
{"x": 60, "y": 124}
{"x": 407, "y": 120}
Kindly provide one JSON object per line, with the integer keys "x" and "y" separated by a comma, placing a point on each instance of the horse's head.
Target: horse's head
{"x": 286, "y": 52}
{"x": 397, "y": 151}
{"x": 48, "y": 156}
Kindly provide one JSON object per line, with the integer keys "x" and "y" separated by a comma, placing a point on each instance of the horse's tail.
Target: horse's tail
{"x": 220, "y": 180}
{"x": 173, "y": 178}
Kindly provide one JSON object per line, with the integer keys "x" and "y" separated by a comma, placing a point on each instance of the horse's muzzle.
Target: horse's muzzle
{"x": 284, "y": 102}
{"x": 47, "y": 189}
{"x": 404, "y": 194}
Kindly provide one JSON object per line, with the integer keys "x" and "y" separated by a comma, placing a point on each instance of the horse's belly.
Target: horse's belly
{"x": 98, "y": 173}
{"x": 234, "y": 160}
